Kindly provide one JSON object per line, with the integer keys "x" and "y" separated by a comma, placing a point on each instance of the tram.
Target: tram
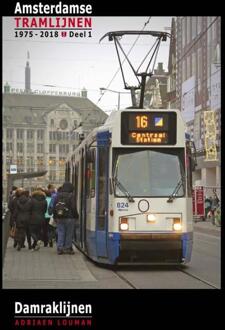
{"x": 133, "y": 189}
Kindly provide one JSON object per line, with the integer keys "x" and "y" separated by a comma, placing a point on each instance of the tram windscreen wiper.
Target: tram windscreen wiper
{"x": 176, "y": 189}
{"x": 123, "y": 189}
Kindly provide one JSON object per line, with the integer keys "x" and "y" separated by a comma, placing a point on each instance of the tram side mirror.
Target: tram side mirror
{"x": 81, "y": 137}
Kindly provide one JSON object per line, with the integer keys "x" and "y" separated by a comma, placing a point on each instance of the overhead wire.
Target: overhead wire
{"x": 118, "y": 70}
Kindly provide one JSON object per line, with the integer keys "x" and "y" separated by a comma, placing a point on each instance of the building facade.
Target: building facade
{"x": 40, "y": 131}
{"x": 195, "y": 66}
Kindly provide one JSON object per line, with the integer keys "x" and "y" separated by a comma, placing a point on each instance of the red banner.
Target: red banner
{"x": 198, "y": 201}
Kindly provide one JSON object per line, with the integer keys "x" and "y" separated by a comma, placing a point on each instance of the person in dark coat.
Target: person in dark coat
{"x": 22, "y": 217}
{"x": 65, "y": 226}
{"x": 38, "y": 209}
{"x": 12, "y": 206}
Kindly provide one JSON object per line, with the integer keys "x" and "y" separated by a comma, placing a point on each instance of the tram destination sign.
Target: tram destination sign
{"x": 148, "y": 128}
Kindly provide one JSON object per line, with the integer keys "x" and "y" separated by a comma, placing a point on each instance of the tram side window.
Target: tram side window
{"x": 73, "y": 175}
{"x": 189, "y": 172}
{"x": 90, "y": 175}
{"x": 101, "y": 187}
{"x": 67, "y": 174}
{"x": 76, "y": 181}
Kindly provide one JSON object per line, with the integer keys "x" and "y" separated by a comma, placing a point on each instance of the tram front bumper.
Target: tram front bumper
{"x": 152, "y": 248}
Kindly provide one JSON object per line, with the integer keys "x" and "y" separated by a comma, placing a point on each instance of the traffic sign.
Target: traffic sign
{"x": 13, "y": 169}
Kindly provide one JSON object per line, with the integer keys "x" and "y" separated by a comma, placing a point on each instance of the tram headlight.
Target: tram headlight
{"x": 177, "y": 224}
{"x": 151, "y": 217}
{"x": 124, "y": 225}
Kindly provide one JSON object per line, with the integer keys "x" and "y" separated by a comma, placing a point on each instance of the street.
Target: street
{"x": 45, "y": 269}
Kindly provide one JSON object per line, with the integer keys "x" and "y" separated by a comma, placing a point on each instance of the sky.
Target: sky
{"x": 71, "y": 64}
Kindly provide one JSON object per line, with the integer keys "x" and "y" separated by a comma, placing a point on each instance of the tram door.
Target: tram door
{"x": 82, "y": 202}
{"x": 102, "y": 193}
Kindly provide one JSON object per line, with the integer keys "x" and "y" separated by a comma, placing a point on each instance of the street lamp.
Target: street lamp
{"x": 111, "y": 90}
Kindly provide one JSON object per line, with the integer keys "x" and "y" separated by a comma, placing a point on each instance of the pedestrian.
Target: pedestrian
{"x": 208, "y": 205}
{"x": 215, "y": 204}
{"x": 49, "y": 231}
{"x": 65, "y": 212}
{"x": 53, "y": 193}
{"x": 22, "y": 217}
{"x": 38, "y": 209}
{"x": 50, "y": 207}
{"x": 12, "y": 196}
{"x": 12, "y": 206}
{"x": 215, "y": 200}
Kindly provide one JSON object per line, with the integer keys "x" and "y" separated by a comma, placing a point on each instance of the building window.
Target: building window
{"x": 20, "y": 161}
{"x": 188, "y": 67}
{"x": 193, "y": 63}
{"x": 30, "y": 161}
{"x": 52, "y": 148}
{"x": 20, "y": 164}
{"x": 188, "y": 29}
{"x": 183, "y": 32}
{"x": 19, "y": 147}
{"x": 63, "y": 148}
{"x": 40, "y": 134}
{"x": 9, "y": 160}
{"x": 40, "y": 148}
{"x": 19, "y": 134}
{"x": 52, "y": 161}
{"x": 52, "y": 176}
{"x": 53, "y": 135}
{"x": 9, "y": 133}
{"x": 59, "y": 136}
{"x": 63, "y": 124}
{"x": 30, "y": 134}
{"x": 184, "y": 70}
{"x": 193, "y": 27}
{"x": 214, "y": 29}
{"x": 40, "y": 163}
{"x": 52, "y": 123}
{"x": 9, "y": 147}
{"x": 62, "y": 161}
{"x": 199, "y": 68}
{"x": 199, "y": 24}
{"x": 30, "y": 147}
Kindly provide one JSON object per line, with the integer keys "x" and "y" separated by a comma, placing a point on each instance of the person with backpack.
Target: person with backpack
{"x": 65, "y": 212}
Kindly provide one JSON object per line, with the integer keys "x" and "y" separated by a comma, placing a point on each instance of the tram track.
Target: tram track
{"x": 178, "y": 268}
{"x": 125, "y": 280}
{"x": 197, "y": 278}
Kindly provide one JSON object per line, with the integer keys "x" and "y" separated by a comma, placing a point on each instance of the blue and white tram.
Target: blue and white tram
{"x": 133, "y": 189}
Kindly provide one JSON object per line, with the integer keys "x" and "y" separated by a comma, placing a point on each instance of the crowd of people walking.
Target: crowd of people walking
{"x": 43, "y": 217}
